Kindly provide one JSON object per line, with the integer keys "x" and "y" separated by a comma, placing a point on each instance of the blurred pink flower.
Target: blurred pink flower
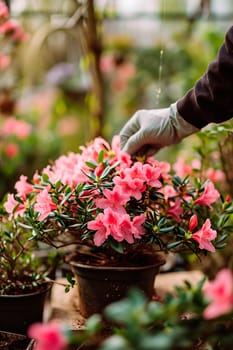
{"x": 183, "y": 169}
{"x": 215, "y": 175}
{"x": 48, "y": 336}
{"x": 11, "y": 150}
{"x": 220, "y": 294}
{"x": 4, "y": 61}
{"x": 107, "y": 64}
{"x": 13, "y": 29}
{"x": 124, "y": 73}
{"x": 4, "y": 12}
{"x": 13, "y": 126}
{"x": 204, "y": 236}
{"x": 209, "y": 196}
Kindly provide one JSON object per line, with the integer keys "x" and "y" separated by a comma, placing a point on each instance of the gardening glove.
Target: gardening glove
{"x": 150, "y": 130}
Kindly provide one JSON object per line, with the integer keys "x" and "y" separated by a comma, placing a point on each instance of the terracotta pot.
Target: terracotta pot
{"x": 19, "y": 311}
{"x": 99, "y": 286}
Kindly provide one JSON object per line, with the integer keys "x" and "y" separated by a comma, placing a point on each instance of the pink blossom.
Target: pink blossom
{"x": 4, "y": 59}
{"x": 209, "y": 196}
{"x": 48, "y": 336}
{"x": 4, "y": 12}
{"x": 107, "y": 64}
{"x": 133, "y": 187}
{"x": 220, "y": 294}
{"x": 13, "y": 207}
{"x": 114, "y": 199}
{"x": 23, "y": 187}
{"x": 181, "y": 168}
{"x": 102, "y": 230}
{"x": 11, "y": 150}
{"x": 99, "y": 170}
{"x": 165, "y": 167}
{"x": 215, "y": 175}
{"x": 12, "y": 126}
{"x": 204, "y": 236}
{"x": 124, "y": 73}
{"x": 12, "y": 28}
{"x": 193, "y": 222}
{"x": 120, "y": 227}
{"x": 175, "y": 210}
{"x": 44, "y": 204}
{"x": 168, "y": 192}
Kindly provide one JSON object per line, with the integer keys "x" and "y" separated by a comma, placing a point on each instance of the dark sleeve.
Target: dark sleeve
{"x": 211, "y": 99}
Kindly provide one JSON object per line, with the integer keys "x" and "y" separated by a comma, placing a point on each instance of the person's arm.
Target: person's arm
{"x": 211, "y": 99}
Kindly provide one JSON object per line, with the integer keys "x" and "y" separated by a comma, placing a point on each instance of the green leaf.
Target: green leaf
{"x": 91, "y": 164}
{"x": 117, "y": 246}
{"x": 93, "y": 324}
{"x": 173, "y": 244}
{"x": 101, "y": 156}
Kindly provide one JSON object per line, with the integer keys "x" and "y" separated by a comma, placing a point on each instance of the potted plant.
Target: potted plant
{"x": 24, "y": 278}
{"x": 113, "y": 213}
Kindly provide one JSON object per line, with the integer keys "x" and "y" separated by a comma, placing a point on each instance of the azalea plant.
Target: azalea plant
{"x": 117, "y": 207}
{"x": 206, "y": 307}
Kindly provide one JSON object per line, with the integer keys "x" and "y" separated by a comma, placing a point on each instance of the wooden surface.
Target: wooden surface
{"x": 64, "y": 306}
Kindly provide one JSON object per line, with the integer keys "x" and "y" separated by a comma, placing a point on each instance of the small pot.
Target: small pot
{"x": 99, "y": 286}
{"x": 18, "y": 312}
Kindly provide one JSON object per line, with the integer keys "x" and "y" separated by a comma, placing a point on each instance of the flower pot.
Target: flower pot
{"x": 19, "y": 311}
{"x": 99, "y": 286}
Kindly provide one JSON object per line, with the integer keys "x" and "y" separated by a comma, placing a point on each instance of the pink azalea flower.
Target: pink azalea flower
{"x": 131, "y": 186}
{"x": 107, "y": 64}
{"x": 137, "y": 229}
{"x": 12, "y": 28}
{"x": 23, "y": 187}
{"x": 220, "y": 294}
{"x": 11, "y": 150}
{"x": 204, "y": 236}
{"x": 102, "y": 231}
{"x": 152, "y": 175}
{"x": 120, "y": 227}
{"x": 168, "y": 192}
{"x": 44, "y": 204}
{"x": 20, "y": 128}
{"x": 193, "y": 222}
{"x": 4, "y": 12}
{"x": 11, "y": 204}
{"x": 48, "y": 336}
{"x": 115, "y": 200}
{"x": 215, "y": 175}
{"x": 181, "y": 168}
{"x": 209, "y": 196}
{"x": 175, "y": 210}
{"x": 4, "y": 59}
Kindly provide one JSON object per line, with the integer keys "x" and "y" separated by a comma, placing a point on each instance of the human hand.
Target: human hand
{"x": 150, "y": 130}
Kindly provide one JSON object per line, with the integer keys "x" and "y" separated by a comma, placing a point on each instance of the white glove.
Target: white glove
{"x": 150, "y": 130}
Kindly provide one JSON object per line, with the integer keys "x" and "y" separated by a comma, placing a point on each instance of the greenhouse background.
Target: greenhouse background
{"x": 148, "y": 54}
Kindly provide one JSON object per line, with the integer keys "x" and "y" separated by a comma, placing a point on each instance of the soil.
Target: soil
{"x": 12, "y": 341}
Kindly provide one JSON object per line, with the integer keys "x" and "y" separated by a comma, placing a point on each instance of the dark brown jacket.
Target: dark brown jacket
{"x": 211, "y": 99}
